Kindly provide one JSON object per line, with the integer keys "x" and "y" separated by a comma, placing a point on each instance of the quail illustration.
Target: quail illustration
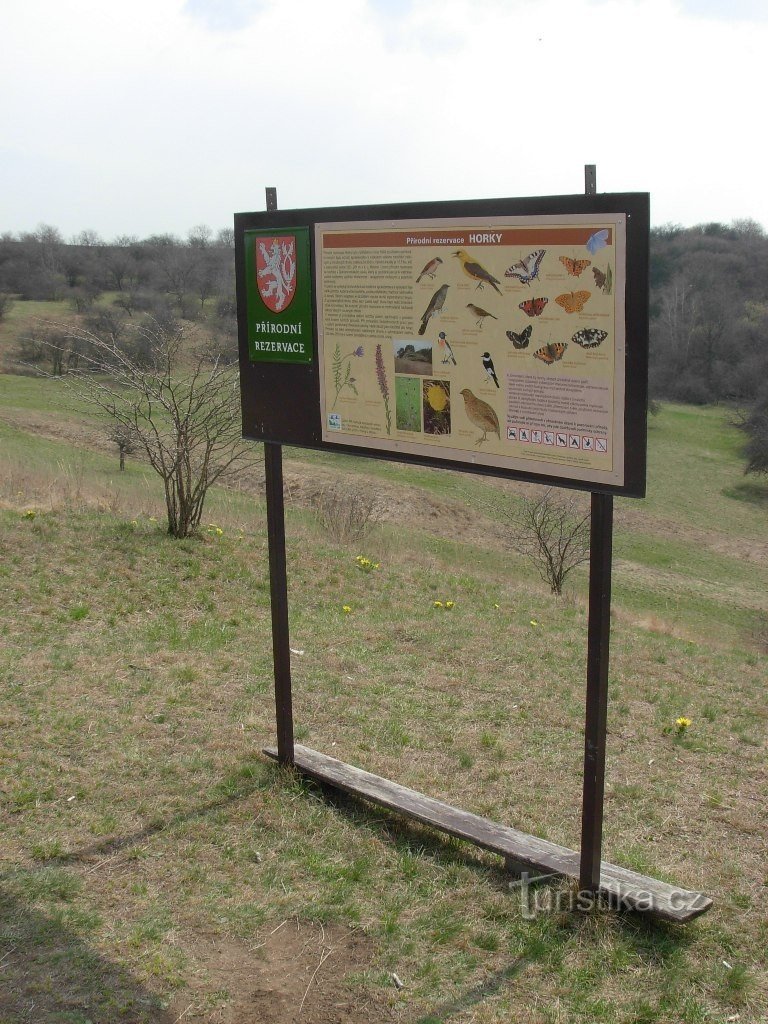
{"x": 480, "y": 414}
{"x": 445, "y": 345}
{"x": 476, "y": 271}
{"x": 479, "y": 314}
{"x": 434, "y": 307}
{"x": 490, "y": 372}
{"x": 430, "y": 269}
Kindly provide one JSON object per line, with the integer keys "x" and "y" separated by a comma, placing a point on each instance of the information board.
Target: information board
{"x": 510, "y": 338}
{"x": 503, "y": 343}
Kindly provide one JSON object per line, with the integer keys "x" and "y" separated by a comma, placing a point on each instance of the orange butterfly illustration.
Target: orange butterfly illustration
{"x": 574, "y": 267}
{"x": 551, "y": 352}
{"x": 533, "y": 307}
{"x": 573, "y": 302}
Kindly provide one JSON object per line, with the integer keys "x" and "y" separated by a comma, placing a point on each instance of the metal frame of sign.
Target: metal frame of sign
{"x": 285, "y": 359}
{"x": 281, "y": 347}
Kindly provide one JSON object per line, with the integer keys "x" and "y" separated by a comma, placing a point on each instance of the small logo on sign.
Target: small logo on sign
{"x": 276, "y": 271}
{"x": 334, "y": 421}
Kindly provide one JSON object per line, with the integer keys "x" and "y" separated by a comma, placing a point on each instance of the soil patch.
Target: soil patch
{"x": 295, "y": 973}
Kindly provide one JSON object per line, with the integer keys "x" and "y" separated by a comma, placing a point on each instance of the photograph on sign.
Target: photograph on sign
{"x": 495, "y": 343}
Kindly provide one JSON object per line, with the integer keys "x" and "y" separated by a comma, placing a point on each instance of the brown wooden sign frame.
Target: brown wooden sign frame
{"x": 281, "y": 404}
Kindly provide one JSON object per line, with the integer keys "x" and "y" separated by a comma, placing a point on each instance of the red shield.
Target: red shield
{"x": 276, "y": 271}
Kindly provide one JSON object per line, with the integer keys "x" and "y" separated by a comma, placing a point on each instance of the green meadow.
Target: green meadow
{"x": 156, "y": 867}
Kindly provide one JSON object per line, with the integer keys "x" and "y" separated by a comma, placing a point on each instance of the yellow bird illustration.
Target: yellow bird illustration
{"x": 476, "y": 271}
{"x": 481, "y": 414}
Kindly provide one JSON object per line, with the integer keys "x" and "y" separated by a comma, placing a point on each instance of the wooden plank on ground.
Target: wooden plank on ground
{"x": 620, "y": 885}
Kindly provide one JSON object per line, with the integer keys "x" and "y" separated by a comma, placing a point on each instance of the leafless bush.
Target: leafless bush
{"x": 347, "y": 510}
{"x": 185, "y": 418}
{"x": 552, "y": 532}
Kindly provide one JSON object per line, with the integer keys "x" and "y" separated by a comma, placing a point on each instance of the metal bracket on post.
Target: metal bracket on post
{"x": 278, "y": 585}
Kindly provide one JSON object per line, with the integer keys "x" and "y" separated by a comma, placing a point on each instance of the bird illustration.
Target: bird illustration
{"x": 490, "y": 372}
{"x": 480, "y": 414}
{"x": 430, "y": 269}
{"x": 434, "y": 307}
{"x": 476, "y": 271}
{"x": 479, "y": 314}
{"x": 445, "y": 345}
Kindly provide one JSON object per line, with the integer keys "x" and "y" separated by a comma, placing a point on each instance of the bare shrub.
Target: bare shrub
{"x": 552, "y": 532}
{"x": 184, "y": 416}
{"x": 347, "y": 510}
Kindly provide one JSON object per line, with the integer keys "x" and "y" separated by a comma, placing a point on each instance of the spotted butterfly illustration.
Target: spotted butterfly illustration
{"x": 574, "y": 267}
{"x": 573, "y": 302}
{"x": 589, "y": 337}
{"x": 551, "y": 352}
{"x": 533, "y": 307}
{"x": 597, "y": 241}
{"x": 520, "y": 340}
{"x": 526, "y": 270}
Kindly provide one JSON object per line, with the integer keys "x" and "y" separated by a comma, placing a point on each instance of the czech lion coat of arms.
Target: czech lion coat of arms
{"x": 276, "y": 271}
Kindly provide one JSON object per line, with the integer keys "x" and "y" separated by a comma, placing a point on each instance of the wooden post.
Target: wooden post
{"x": 598, "y": 645}
{"x": 278, "y": 585}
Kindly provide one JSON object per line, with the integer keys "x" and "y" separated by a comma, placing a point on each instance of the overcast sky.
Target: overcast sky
{"x": 157, "y": 115}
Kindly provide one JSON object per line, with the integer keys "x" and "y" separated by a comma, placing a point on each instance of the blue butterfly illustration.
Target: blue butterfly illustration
{"x": 597, "y": 241}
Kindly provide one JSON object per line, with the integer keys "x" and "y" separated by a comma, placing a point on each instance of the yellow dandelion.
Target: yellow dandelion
{"x": 450, "y": 604}
{"x": 437, "y": 604}
{"x": 346, "y": 609}
{"x": 534, "y": 622}
{"x": 682, "y": 723}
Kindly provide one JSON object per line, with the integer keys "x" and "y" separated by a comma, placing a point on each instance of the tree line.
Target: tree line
{"x": 709, "y": 301}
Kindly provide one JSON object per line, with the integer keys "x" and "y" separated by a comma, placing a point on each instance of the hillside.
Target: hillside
{"x": 156, "y": 867}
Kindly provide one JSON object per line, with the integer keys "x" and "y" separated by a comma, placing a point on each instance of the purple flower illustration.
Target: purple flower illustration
{"x": 342, "y": 377}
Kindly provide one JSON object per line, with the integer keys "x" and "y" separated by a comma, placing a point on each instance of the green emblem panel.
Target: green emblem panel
{"x": 279, "y": 295}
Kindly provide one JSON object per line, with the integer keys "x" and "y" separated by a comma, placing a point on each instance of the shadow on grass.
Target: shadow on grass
{"x": 490, "y": 987}
{"x": 753, "y": 492}
{"x": 657, "y": 940}
{"x": 50, "y": 975}
{"x": 243, "y": 781}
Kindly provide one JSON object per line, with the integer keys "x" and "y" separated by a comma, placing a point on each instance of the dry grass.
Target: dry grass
{"x": 141, "y": 817}
{"x": 151, "y": 856}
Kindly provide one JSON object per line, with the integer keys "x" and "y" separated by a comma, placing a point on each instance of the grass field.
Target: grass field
{"x": 157, "y": 868}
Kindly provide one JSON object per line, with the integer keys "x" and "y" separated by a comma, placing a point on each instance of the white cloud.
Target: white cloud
{"x": 181, "y": 111}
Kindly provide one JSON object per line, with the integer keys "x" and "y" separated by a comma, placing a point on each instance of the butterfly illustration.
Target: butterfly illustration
{"x": 533, "y": 307}
{"x": 520, "y": 340}
{"x": 573, "y": 302}
{"x": 574, "y": 267}
{"x": 551, "y": 352}
{"x": 589, "y": 337}
{"x": 525, "y": 270}
{"x": 603, "y": 280}
{"x": 597, "y": 241}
